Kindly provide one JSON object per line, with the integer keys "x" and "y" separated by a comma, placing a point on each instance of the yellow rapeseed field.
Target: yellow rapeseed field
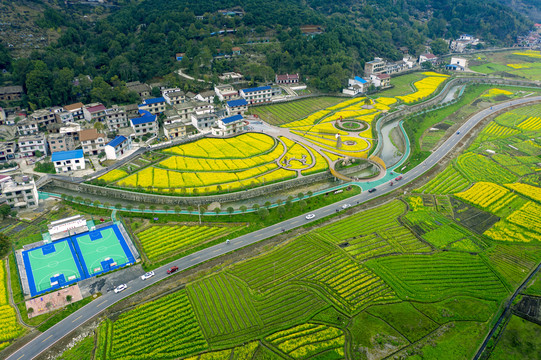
{"x": 425, "y": 87}
{"x": 113, "y": 175}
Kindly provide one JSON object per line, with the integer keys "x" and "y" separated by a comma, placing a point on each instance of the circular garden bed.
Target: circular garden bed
{"x": 351, "y": 125}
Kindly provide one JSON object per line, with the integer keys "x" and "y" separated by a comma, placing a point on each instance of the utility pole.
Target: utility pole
{"x": 199, "y": 211}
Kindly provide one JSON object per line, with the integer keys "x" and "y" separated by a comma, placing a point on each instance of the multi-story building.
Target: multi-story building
{"x": 174, "y": 96}
{"x": 145, "y": 124}
{"x": 186, "y": 109}
{"x": 206, "y": 96}
{"x": 203, "y": 120}
{"x": 20, "y": 192}
{"x": 43, "y": 117}
{"x": 2, "y": 116}
{"x": 236, "y": 107}
{"x": 65, "y": 161}
{"x": 175, "y": 130}
{"x": 143, "y": 90}
{"x": 375, "y": 66}
{"x": 229, "y": 126}
{"x": 60, "y": 142}
{"x": 94, "y": 112}
{"x": 256, "y": 95}
{"x": 92, "y": 142}
{"x": 7, "y": 151}
{"x": 154, "y": 105}
{"x": 28, "y": 145}
{"x": 357, "y": 85}
{"x": 226, "y": 92}
{"x": 116, "y": 118}
{"x": 63, "y": 117}
{"x": 427, "y": 57}
{"x": 381, "y": 80}
{"x": 27, "y": 127}
{"x": 71, "y": 129}
{"x": 117, "y": 147}
{"x": 11, "y": 93}
{"x": 76, "y": 110}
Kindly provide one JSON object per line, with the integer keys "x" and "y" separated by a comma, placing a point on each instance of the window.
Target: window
{"x": 76, "y": 161}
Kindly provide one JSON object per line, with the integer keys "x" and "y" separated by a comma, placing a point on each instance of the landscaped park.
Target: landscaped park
{"x": 420, "y": 275}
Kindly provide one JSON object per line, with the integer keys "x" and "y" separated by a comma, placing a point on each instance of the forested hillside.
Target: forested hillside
{"x": 139, "y": 41}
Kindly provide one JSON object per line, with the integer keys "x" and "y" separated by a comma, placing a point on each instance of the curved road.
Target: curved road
{"x": 57, "y": 332}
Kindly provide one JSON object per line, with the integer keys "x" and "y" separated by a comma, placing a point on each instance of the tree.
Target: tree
{"x": 69, "y": 298}
{"x": 255, "y": 207}
{"x": 267, "y": 204}
{"x": 96, "y": 203}
{"x": 178, "y": 209}
{"x": 38, "y": 153}
{"x": 152, "y": 208}
{"x": 243, "y": 208}
{"x": 439, "y": 47}
{"x": 129, "y": 207}
{"x": 300, "y": 195}
{"x": 190, "y": 208}
{"x": 263, "y": 213}
{"x": 48, "y": 305}
{"x": 87, "y": 201}
{"x": 5, "y": 209}
{"x": 166, "y": 207}
{"x": 302, "y": 204}
{"x": 230, "y": 210}
{"x": 217, "y": 210}
{"x": 281, "y": 211}
{"x": 106, "y": 205}
{"x": 30, "y": 311}
{"x": 141, "y": 207}
{"x": 4, "y": 244}
{"x": 309, "y": 193}
{"x": 118, "y": 206}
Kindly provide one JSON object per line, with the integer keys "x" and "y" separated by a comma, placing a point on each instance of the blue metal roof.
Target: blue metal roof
{"x": 360, "y": 79}
{"x": 239, "y": 102}
{"x": 256, "y": 89}
{"x": 117, "y": 141}
{"x": 145, "y": 117}
{"x": 67, "y": 155}
{"x": 153, "y": 101}
{"x": 231, "y": 119}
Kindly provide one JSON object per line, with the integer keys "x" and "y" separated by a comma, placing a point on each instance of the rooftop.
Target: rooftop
{"x": 260, "y": 88}
{"x": 153, "y": 101}
{"x": 73, "y": 107}
{"x": 145, "y": 118}
{"x": 231, "y": 119}
{"x": 11, "y": 89}
{"x": 67, "y": 155}
{"x": 239, "y": 102}
{"x": 117, "y": 141}
{"x": 287, "y": 77}
{"x": 96, "y": 108}
{"x": 89, "y": 134}
{"x": 360, "y": 79}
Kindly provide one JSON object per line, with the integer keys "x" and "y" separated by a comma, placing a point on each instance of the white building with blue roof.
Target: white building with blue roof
{"x": 236, "y": 107}
{"x": 117, "y": 147}
{"x": 154, "y": 106}
{"x": 256, "y": 95}
{"x": 145, "y": 124}
{"x": 229, "y": 126}
{"x": 357, "y": 85}
{"x": 65, "y": 161}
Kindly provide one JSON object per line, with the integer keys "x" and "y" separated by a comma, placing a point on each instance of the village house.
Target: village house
{"x": 60, "y": 142}
{"x": 428, "y": 57}
{"x": 357, "y": 85}
{"x": 457, "y": 64}
{"x": 229, "y": 126}
{"x": 236, "y": 107}
{"x": 91, "y": 141}
{"x": 28, "y": 145}
{"x": 65, "y": 161}
{"x": 71, "y": 129}
{"x": 76, "y": 111}
{"x": 63, "y": 117}
{"x": 206, "y": 96}
{"x": 381, "y": 80}
{"x": 174, "y": 96}
{"x": 11, "y": 93}
{"x": 43, "y": 117}
{"x": 256, "y": 95}
{"x": 154, "y": 106}
{"x": 186, "y": 109}
{"x": 7, "y": 151}
{"x": 20, "y": 192}
{"x": 203, "y": 120}
{"x": 231, "y": 76}
{"x": 94, "y": 112}
{"x": 143, "y": 90}
{"x": 226, "y": 92}
{"x": 287, "y": 79}
{"x": 463, "y": 42}
{"x": 145, "y": 124}
{"x": 116, "y": 118}
{"x": 117, "y": 147}
{"x": 27, "y": 127}
{"x": 375, "y": 66}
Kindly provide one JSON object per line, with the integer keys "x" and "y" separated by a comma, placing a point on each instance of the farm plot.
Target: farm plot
{"x": 225, "y": 309}
{"x": 514, "y": 164}
{"x": 447, "y": 182}
{"x": 113, "y": 175}
{"x": 278, "y": 114}
{"x": 521, "y": 225}
{"x": 489, "y": 196}
{"x": 307, "y": 340}
{"x": 478, "y": 168}
{"x": 494, "y": 130}
{"x": 372, "y": 233}
{"x": 425, "y": 87}
{"x": 139, "y": 333}
{"x": 160, "y": 242}
{"x": 514, "y": 262}
{"x": 435, "y": 277}
{"x": 10, "y": 326}
{"x": 532, "y": 192}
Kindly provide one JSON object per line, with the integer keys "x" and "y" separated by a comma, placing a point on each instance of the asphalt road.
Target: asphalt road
{"x": 54, "y": 334}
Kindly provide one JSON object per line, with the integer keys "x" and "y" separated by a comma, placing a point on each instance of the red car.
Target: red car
{"x": 398, "y": 178}
{"x": 172, "y": 269}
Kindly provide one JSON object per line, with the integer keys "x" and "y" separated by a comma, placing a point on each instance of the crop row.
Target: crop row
{"x": 140, "y": 334}
{"x": 479, "y": 168}
{"x": 486, "y": 195}
{"x": 161, "y": 240}
{"x": 425, "y": 87}
{"x": 301, "y": 342}
{"x": 446, "y": 182}
{"x": 113, "y": 175}
{"x": 223, "y": 306}
{"x": 496, "y": 130}
{"x": 242, "y": 146}
{"x": 514, "y": 262}
{"x": 10, "y": 326}
{"x": 432, "y": 277}
{"x": 533, "y": 192}
{"x": 532, "y": 123}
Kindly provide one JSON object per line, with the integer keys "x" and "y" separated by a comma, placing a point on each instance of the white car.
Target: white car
{"x": 120, "y": 288}
{"x": 345, "y": 206}
{"x": 148, "y": 275}
{"x": 310, "y": 216}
